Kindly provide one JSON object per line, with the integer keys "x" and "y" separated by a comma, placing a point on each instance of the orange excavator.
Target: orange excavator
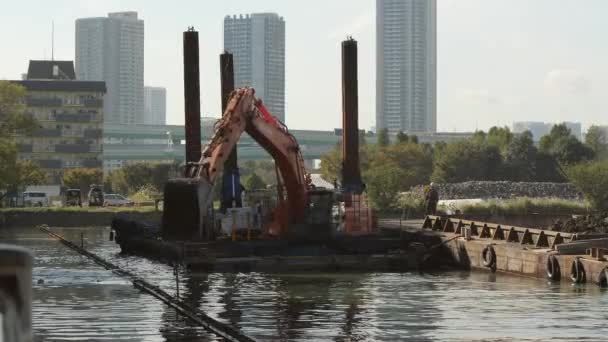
{"x": 301, "y": 212}
{"x": 244, "y": 113}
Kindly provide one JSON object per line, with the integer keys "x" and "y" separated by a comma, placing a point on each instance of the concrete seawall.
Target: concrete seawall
{"x": 21, "y": 218}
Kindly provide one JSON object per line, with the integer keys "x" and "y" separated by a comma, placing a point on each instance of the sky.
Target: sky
{"x": 499, "y": 61}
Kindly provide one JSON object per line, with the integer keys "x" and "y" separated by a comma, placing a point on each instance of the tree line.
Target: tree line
{"x": 392, "y": 167}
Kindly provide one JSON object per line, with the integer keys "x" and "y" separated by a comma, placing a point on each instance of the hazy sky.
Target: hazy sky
{"x": 499, "y": 61}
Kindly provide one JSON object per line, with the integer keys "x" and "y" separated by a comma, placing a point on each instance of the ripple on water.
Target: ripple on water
{"x": 80, "y": 301}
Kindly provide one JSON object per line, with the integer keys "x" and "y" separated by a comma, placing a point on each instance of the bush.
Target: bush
{"x": 412, "y": 202}
{"x": 523, "y": 205}
{"x": 591, "y": 178}
{"x": 146, "y": 193}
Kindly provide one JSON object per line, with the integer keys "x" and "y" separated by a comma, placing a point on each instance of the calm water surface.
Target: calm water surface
{"x": 78, "y": 300}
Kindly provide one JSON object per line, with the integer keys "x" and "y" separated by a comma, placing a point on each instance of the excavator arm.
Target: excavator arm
{"x": 246, "y": 113}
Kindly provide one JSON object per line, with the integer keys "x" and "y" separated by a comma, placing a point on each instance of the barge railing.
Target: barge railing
{"x": 525, "y": 236}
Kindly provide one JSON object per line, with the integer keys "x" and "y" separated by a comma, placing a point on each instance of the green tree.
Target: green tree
{"x": 591, "y": 178}
{"x": 82, "y": 178}
{"x": 402, "y": 165}
{"x": 414, "y": 139}
{"x": 548, "y": 169}
{"x": 383, "y": 180}
{"x": 132, "y": 178}
{"x": 265, "y": 169}
{"x": 520, "y": 158}
{"x": 564, "y": 147}
{"x": 402, "y": 138}
{"x": 15, "y": 174}
{"x": 383, "y": 138}
{"x": 13, "y": 119}
{"x": 500, "y": 137}
{"x": 254, "y": 182}
{"x": 466, "y": 160}
{"x": 597, "y": 140}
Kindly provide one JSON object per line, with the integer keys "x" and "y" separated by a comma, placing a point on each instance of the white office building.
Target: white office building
{"x": 111, "y": 49}
{"x": 257, "y": 42}
{"x": 406, "y": 75}
{"x": 155, "y": 106}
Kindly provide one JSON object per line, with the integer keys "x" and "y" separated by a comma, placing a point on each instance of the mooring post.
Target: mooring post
{"x": 81, "y": 240}
{"x": 351, "y": 173}
{"x": 192, "y": 98}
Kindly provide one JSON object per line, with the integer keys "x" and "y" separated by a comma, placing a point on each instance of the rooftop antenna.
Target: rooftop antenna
{"x": 52, "y": 40}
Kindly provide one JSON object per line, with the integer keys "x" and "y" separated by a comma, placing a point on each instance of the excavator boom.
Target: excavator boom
{"x": 246, "y": 113}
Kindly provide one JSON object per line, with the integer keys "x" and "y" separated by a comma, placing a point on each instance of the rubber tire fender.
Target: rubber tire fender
{"x": 577, "y": 271}
{"x": 553, "y": 269}
{"x": 488, "y": 255}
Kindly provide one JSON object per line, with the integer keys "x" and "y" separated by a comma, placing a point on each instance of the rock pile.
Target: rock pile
{"x": 597, "y": 223}
{"x": 505, "y": 189}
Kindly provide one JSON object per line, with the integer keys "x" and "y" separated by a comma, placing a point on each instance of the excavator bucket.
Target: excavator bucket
{"x": 186, "y": 204}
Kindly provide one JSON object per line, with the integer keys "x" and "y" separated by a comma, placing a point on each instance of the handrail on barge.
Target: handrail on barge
{"x": 526, "y": 236}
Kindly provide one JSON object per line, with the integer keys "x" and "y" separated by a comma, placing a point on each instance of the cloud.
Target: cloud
{"x": 359, "y": 24}
{"x": 477, "y": 97}
{"x": 566, "y": 82}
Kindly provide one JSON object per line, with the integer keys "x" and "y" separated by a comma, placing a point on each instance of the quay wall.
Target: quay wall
{"x": 84, "y": 218}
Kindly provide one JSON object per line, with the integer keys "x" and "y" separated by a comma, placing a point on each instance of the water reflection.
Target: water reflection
{"x": 77, "y": 300}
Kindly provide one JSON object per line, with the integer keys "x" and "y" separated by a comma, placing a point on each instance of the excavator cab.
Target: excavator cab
{"x": 187, "y": 200}
{"x": 319, "y": 225}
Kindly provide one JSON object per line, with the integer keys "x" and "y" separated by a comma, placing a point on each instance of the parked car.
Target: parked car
{"x": 116, "y": 200}
{"x": 35, "y": 199}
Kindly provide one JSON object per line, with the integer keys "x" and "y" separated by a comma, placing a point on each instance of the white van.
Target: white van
{"x": 35, "y": 199}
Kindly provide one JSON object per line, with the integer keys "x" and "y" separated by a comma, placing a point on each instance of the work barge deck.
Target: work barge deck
{"x": 432, "y": 243}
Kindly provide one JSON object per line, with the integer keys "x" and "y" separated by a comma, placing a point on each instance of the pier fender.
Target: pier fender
{"x": 488, "y": 256}
{"x": 602, "y": 280}
{"x": 577, "y": 271}
{"x": 553, "y": 270}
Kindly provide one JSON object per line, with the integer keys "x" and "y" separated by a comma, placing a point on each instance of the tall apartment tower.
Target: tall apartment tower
{"x": 406, "y": 75}
{"x": 155, "y": 106}
{"x": 112, "y": 50}
{"x": 257, "y": 42}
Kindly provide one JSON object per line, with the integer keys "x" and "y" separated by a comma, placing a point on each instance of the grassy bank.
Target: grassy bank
{"x": 412, "y": 205}
{"x": 520, "y": 206}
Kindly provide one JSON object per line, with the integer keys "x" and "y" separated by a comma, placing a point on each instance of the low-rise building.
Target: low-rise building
{"x": 70, "y": 117}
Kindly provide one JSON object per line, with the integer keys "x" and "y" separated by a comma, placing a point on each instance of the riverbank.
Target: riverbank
{"x": 72, "y": 216}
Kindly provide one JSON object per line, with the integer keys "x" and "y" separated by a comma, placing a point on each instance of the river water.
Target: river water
{"x": 76, "y": 300}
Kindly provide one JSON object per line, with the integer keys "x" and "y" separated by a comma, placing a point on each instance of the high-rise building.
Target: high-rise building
{"x": 406, "y": 75}
{"x": 70, "y": 115}
{"x": 155, "y": 106}
{"x": 257, "y": 42}
{"x": 112, "y": 50}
